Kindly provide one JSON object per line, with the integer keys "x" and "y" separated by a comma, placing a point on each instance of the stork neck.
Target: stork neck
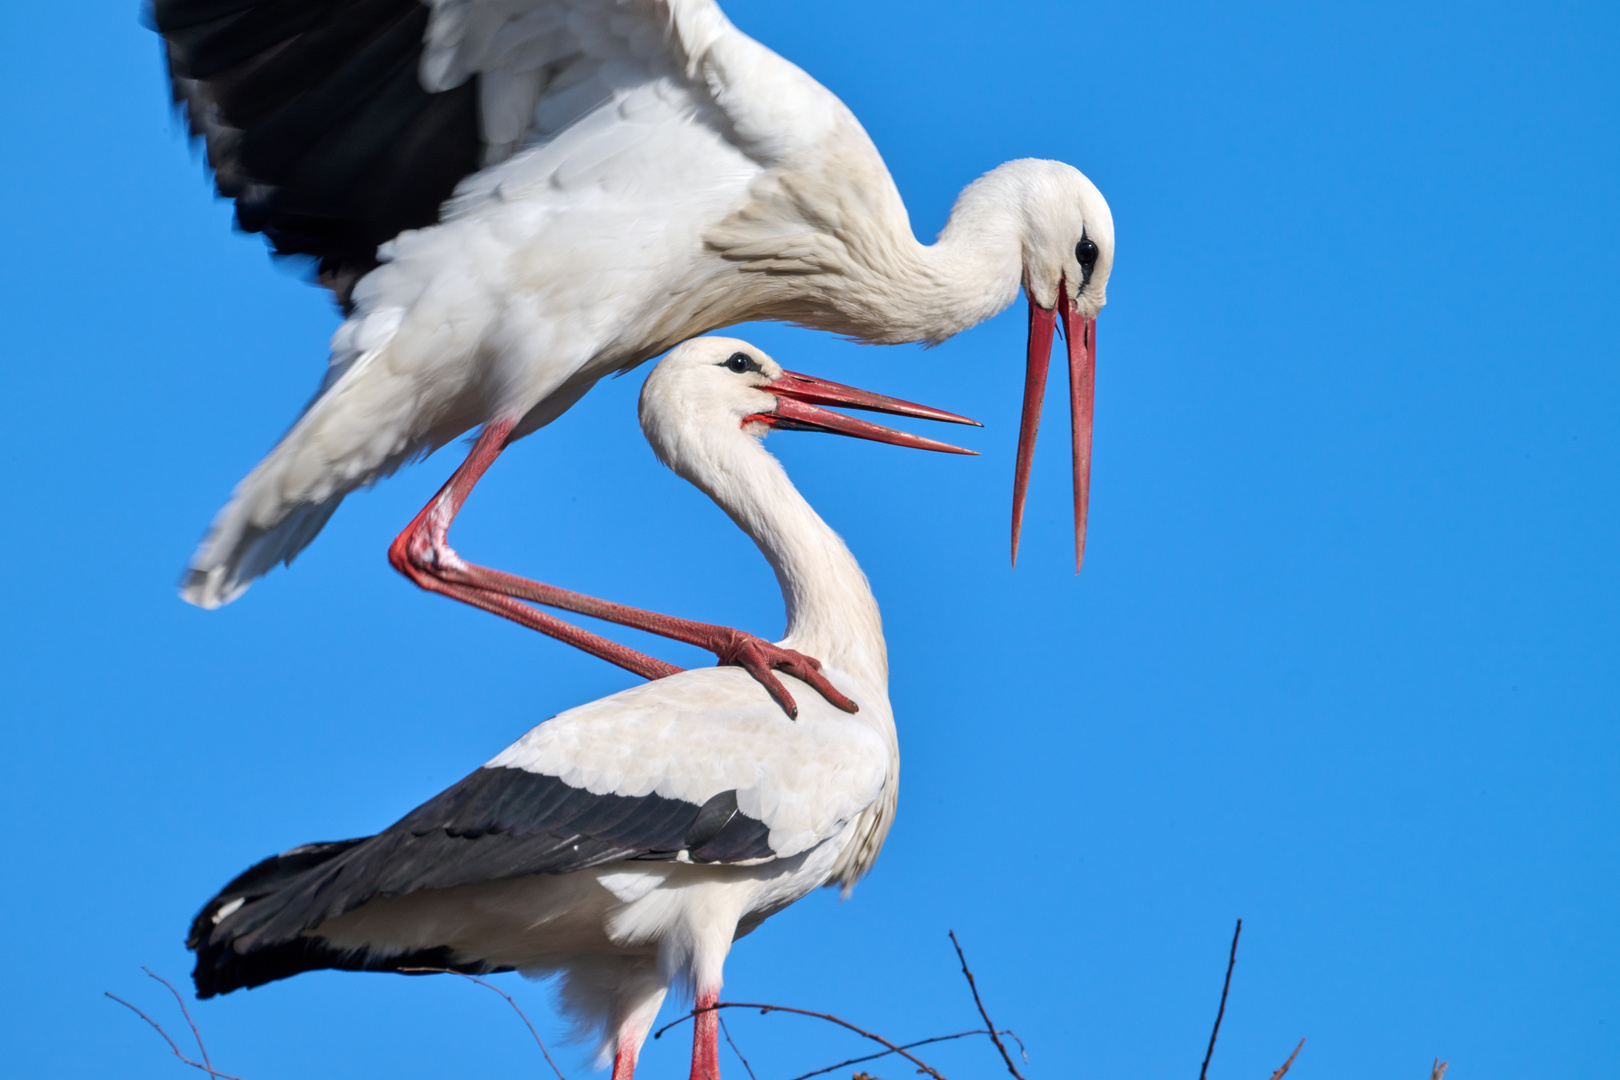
{"x": 831, "y": 612}
{"x": 928, "y": 292}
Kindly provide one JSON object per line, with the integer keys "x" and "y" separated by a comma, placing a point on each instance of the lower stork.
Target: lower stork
{"x": 624, "y": 844}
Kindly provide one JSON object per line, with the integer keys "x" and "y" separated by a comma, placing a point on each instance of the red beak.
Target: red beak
{"x": 1082, "y": 338}
{"x": 798, "y": 397}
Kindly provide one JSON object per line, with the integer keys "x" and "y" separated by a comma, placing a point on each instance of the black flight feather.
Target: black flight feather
{"x": 495, "y": 825}
{"x": 316, "y": 122}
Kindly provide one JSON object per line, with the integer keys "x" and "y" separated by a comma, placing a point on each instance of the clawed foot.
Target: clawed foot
{"x": 760, "y": 659}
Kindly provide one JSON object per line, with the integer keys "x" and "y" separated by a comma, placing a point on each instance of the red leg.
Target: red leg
{"x": 423, "y": 553}
{"x": 624, "y": 1064}
{"x": 706, "y": 1038}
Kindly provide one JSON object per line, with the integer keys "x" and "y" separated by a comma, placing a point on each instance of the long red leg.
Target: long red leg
{"x": 706, "y": 1038}
{"x": 624, "y": 1064}
{"x": 423, "y": 553}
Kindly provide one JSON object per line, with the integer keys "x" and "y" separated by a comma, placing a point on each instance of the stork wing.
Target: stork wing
{"x": 337, "y": 124}
{"x": 701, "y": 766}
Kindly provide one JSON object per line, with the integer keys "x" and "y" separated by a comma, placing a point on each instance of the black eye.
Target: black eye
{"x": 1086, "y": 253}
{"x": 741, "y": 362}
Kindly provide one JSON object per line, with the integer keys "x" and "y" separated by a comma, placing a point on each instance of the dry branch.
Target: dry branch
{"x": 205, "y": 1065}
{"x": 922, "y": 1066}
{"x": 1282, "y": 1072}
{"x": 509, "y": 1001}
{"x": 904, "y": 1046}
{"x": 988, "y": 1023}
{"x": 1226, "y": 988}
{"x": 724, "y": 1030}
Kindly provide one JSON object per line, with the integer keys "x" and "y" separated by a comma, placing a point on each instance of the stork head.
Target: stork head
{"x": 1068, "y": 253}
{"x": 720, "y": 384}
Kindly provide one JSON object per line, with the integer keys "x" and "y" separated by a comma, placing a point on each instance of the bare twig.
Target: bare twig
{"x": 727, "y": 1033}
{"x": 157, "y": 1027}
{"x": 1439, "y": 1069}
{"x": 1225, "y": 988}
{"x": 515, "y": 1007}
{"x": 185, "y": 1012}
{"x": 763, "y": 1009}
{"x": 1023, "y": 1051}
{"x": 988, "y": 1023}
{"x": 904, "y": 1046}
{"x": 1282, "y": 1072}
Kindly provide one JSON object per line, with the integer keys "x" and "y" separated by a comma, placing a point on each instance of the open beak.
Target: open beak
{"x": 798, "y": 401}
{"x": 1081, "y": 335}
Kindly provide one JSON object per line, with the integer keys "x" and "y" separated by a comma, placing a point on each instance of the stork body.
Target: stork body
{"x": 623, "y": 844}
{"x": 514, "y": 198}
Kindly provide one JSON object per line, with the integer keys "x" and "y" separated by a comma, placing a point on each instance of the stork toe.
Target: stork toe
{"x": 761, "y": 659}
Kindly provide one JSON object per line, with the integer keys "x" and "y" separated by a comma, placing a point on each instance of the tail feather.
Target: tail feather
{"x": 233, "y": 555}
{"x": 226, "y": 962}
{"x": 369, "y": 418}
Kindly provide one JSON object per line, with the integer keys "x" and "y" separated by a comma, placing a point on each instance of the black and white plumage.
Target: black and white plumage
{"x": 514, "y": 198}
{"x": 625, "y": 843}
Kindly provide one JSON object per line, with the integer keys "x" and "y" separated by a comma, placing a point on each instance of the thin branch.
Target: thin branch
{"x": 157, "y": 1027}
{"x": 1440, "y": 1068}
{"x": 185, "y": 1012}
{"x": 727, "y": 1033}
{"x": 515, "y": 1007}
{"x": 904, "y": 1046}
{"x": 1023, "y": 1051}
{"x": 988, "y": 1023}
{"x": 1227, "y": 986}
{"x": 763, "y": 1009}
{"x": 1282, "y": 1072}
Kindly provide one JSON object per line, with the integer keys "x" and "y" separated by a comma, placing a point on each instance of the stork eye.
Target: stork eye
{"x": 741, "y": 363}
{"x": 1085, "y": 252}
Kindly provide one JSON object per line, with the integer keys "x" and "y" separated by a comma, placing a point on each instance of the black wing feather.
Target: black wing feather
{"x": 495, "y": 825}
{"x": 316, "y": 122}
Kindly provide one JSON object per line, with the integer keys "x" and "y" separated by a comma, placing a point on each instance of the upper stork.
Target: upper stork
{"x": 514, "y": 198}
{"x": 625, "y": 843}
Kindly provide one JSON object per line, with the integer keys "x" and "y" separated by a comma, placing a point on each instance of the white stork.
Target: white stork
{"x": 514, "y": 198}
{"x": 624, "y": 844}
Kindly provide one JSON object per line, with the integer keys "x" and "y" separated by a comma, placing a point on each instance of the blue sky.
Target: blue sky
{"x": 1342, "y": 660}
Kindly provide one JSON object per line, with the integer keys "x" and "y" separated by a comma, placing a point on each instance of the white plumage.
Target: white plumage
{"x": 644, "y": 173}
{"x": 624, "y": 844}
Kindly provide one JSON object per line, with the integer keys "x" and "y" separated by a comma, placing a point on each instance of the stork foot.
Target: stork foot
{"x": 760, "y": 659}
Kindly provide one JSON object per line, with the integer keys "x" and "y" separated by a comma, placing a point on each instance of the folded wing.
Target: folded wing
{"x": 701, "y": 767}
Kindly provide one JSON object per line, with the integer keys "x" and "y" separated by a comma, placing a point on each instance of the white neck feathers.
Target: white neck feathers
{"x": 831, "y": 613}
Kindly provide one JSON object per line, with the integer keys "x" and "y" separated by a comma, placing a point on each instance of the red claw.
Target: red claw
{"x": 760, "y": 659}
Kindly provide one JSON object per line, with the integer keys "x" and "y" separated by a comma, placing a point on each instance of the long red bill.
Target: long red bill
{"x": 792, "y": 415}
{"x": 824, "y": 392}
{"x": 1082, "y": 338}
{"x": 1042, "y": 324}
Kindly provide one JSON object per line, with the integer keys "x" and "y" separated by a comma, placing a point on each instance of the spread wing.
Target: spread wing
{"x": 337, "y": 124}
{"x": 699, "y": 767}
